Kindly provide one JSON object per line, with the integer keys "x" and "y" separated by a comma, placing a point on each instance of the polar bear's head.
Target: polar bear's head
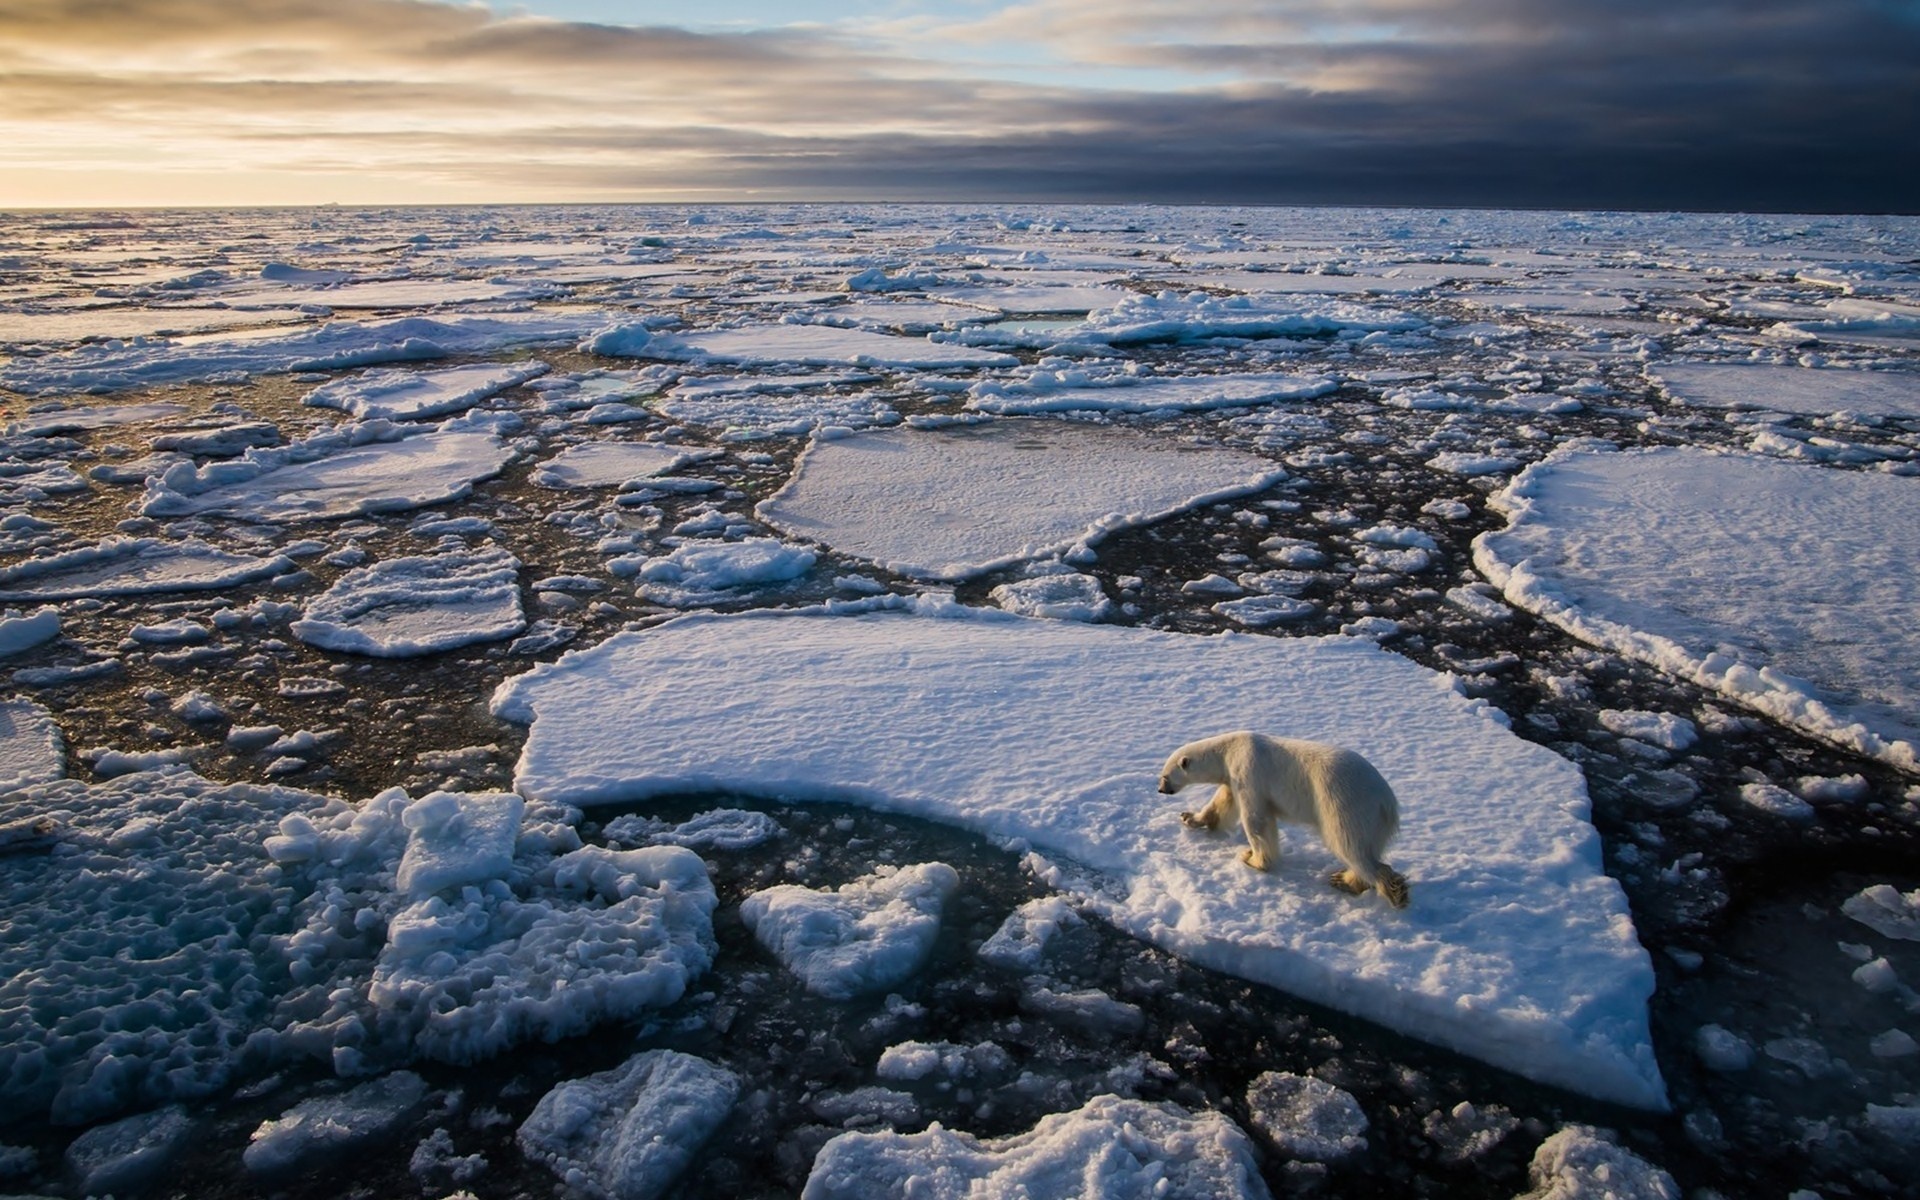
{"x": 1173, "y": 776}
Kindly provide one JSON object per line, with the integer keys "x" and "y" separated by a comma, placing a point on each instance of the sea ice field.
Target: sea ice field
{"x": 668, "y": 702}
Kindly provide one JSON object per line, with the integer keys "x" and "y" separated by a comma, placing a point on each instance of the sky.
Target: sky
{"x": 1796, "y": 105}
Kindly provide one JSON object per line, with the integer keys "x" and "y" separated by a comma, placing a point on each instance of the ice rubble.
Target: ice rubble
{"x": 630, "y": 1132}
{"x": 247, "y": 926}
{"x": 1785, "y": 587}
{"x": 419, "y": 604}
{"x": 949, "y": 504}
{"x": 143, "y": 362}
{"x": 360, "y": 469}
{"x": 133, "y": 567}
{"x": 1791, "y": 389}
{"x": 1307, "y": 1118}
{"x": 1583, "y": 1163}
{"x": 1518, "y": 948}
{"x": 410, "y": 395}
{"x": 865, "y": 936}
{"x": 1109, "y": 1148}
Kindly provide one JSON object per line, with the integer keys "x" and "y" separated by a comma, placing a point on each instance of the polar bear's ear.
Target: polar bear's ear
{"x": 1183, "y": 762}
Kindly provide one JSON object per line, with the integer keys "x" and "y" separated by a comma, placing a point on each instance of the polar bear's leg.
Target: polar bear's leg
{"x": 1389, "y": 882}
{"x": 1209, "y": 817}
{"x": 1263, "y": 844}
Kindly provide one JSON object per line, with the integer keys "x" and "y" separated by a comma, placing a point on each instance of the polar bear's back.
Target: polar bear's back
{"x": 1331, "y": 778}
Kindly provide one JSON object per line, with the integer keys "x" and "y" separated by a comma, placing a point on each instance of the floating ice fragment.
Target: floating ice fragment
{"x": 865, "y": 936}
{"x": 1884, "y": 910}
{"x": 1660, "y": 729}
{"x": 1108, "y": 1149}
{"x": 1584, "y": 1163}
{"x": 125, "y": 1157}
{"x": 19, "y": 633}
{"x": 457, "y": 838}
{"x": 424, "y": 604}
{"x": 1307, "y": 1118}
{"x": 953, "y": 503}
{"x": 1722, "y": 1049}
{"x": 411, "y": 395}
{"x": 1776, "y": 800}
{"x": 710, "y": 572}
{"x": 609, "y": 464}
{"x": 327, "y": 1126}
{"x": 135, "y": 566}
{"x": 1067, "y": 596}
{"x": 630, "y": 1132}
{"x": 1021, "y": 941}
{"x": 31, "y": 748}
{"x": 1133, "y": 394}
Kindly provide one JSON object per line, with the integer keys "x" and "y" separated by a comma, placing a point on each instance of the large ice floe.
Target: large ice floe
{"x": 1791, "y": 389}
{"x": 1114, "y": 1148}
{"x": 418, "y": 604}
{"x": 411, "y": 395}
{"x": 1518, "y": 948}
{"x": 186, "y": 932}
{"x": 947, "y": 504}
{"x": 1788, "y": 588}
{"x": 368, "y": 467}
{"x": 1041, "y": 393}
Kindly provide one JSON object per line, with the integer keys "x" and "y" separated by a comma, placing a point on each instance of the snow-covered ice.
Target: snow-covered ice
{"x": 411, "y": 395}
{"x": 1583, "y": 1163}
{"x": 1517, "y": 949}
{"x": 630, "y": 1132}
{"x": 1791, "y": 389}
{"x": 698, "y": 573}
{"x": 418, "y": 604}
{"x": 865, "y": 936}
{"x": 32, "y": 749}
{"x": 1108, "y": 1149}
{"x": 135, "y": 566}
{"x": 1785, "y": 587}
{"x": 809, "y": 345}
{"x": 1136, "y": 394}
{"x": 948, "y": 504}
{"x": 610, "y": 464}
{"x": 375, "y": 476}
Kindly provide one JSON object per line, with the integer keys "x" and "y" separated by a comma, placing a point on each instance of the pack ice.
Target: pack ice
{"x": 1518, "y": 949}
{"x": 418, "y": 604}
{"x": 410, "y": 395}
{"x": 1785, "y": 587}
{"x": 948, "y": 504}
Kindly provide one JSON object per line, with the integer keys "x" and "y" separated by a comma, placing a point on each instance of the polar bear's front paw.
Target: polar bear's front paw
{"x": 1254, "y": 859}
{"x": 1343, "y": 881}
{"x": 1194, "y": 820}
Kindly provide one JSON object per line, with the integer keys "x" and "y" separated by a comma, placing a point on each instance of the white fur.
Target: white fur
{"x": 1266, "y": 779}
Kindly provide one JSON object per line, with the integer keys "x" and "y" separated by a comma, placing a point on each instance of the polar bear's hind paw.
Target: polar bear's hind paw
{"x": 1199, "y": 820}
{"x": 1343, "y": 881}
{"x": 1393, "y": 885}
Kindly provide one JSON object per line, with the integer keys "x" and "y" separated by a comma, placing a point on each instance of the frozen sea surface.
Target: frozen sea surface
{"x": 1636, "y": 485}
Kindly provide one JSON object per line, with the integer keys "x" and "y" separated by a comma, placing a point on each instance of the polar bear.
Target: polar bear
{"x": 1265, "y": 779}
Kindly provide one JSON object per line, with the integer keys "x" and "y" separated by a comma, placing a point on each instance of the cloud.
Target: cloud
{"x": 1798, "y": 104}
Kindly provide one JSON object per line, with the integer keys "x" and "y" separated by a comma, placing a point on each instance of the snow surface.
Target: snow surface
{"x": 630, "y": 1132}
{"x": 133, "y": 567}
{"x": 949, "y": 504}
{"x": 1785, "y": 587}
{"x": 1517, "y": 949}
{"x": 1108, "y": 1149}
{"x": 420, "y": 604}
{"x": 865, "y": 936}
{"x": 1789, "y": 389}
{"x": 410, "y": 395}
{"x": 372, "y": 477}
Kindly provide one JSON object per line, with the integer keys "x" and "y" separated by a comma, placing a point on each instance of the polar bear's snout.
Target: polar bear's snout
{"x": 1166, "y": 786}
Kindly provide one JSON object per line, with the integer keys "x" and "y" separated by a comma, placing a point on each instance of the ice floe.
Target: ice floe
{"x": 419, "y": 604}
{"x": 1147, "y": 394}
{"x": 410, "y": 395}
{"x": 1110, "y": 1147}
{"x": 949, "y": 504}
{"x": 24, "y": 632}
{"x": 321, "y": 1127}
{"x": 360, "y": 470}
{"x": 116, "y": 366}
{"x": 32, "y": 749}
{"x": 1518, "y": 948}
{"x": 1792, "y": 389}
{"x": 1308, "y": 1118}
{"x": 1196, "y": 316}
{"x": 135, "y": 566}
{"x": 865, "y": 936}
{"x": 802, "y": 345}
{"x": 610, "y": 464}
{"x": 697, "y": 573}
{"x": 632, "y": 1131}
{"x": 1785, "y": 587}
